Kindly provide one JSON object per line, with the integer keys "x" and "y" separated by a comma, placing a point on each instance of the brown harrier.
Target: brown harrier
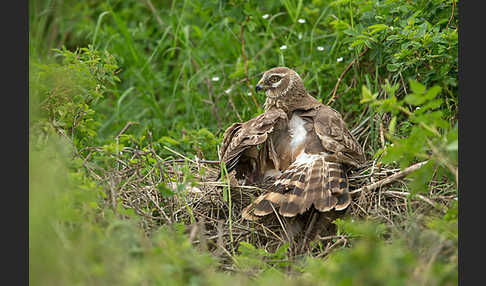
{"x": 298, "y": 144}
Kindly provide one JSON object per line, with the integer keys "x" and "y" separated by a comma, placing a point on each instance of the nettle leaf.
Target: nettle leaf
{"x": 433, "y": 92}
{"x": 392, "y": 153}
{"x": 421, "y": 178}
{"x": 417, "y": 87}
{"x": 433, "y": 118}
{"x": 433, "y": 104}
{"x": 415, "y": 99}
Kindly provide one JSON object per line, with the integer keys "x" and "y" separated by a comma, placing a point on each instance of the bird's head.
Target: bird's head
{"x": 278, "y": 81}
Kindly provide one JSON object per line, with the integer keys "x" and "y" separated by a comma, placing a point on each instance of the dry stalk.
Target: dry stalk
{"x": 390, "y": 179}
{"x": 333, "y": 95}
{"x": 202, "y": 205}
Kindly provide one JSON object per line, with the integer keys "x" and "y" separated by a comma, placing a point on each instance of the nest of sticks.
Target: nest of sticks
{"x": 184, "y": 190}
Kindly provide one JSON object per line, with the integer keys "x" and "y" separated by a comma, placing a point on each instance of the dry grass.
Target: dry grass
{"x": 184, "y": 191}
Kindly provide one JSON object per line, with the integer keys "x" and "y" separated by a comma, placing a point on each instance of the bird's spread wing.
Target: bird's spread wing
{"x": 240, "y": 137}
{"x": 338, "y": 142}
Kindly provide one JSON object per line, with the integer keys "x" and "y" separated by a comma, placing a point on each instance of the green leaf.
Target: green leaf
{"x": 392, "y": 154}
{"x": 415, "y": 99}
{"x": 433, "y": 92}
{"x": 453, "y": 146}
{"x": 366, "y": 95}
{"x": 433, "y": 104}
{"x": 169, "y": 140}
{"x": 421, "y": 178}
{"x": 282, "y": 250}
{"x": 417, "y": 87}
{"x": 377, "y": 28}
{"x": 378, "y": 153}
{"x": 390, "y": 104}
{"x": 392, "y": 125}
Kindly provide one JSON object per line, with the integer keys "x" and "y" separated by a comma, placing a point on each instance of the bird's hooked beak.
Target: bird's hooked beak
{"x": 259, "y": 86}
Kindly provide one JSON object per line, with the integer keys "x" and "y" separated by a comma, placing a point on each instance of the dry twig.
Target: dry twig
{"x": 390, "y": 179}
{"x": 333, "y": 95}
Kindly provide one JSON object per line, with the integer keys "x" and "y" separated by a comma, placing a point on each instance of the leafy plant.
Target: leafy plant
{"x": 144, "y": 82}
{"x": 254, "y": 260}
{"x": 66, "y": 92}
{"x": 427, "y": 136}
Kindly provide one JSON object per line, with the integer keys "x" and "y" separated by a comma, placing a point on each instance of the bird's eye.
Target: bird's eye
{"x": 274, "y": 79}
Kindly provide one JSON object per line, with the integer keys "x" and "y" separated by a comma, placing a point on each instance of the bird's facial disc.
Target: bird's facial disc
{"x": 270, "y": 82}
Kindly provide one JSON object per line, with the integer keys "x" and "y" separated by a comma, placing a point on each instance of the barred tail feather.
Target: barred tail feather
{"x": 310, "y": 180}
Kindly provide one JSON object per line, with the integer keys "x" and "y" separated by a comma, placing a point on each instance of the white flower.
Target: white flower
{"x": 284, "y": 47}
{"x": 340, "y": 59}
{"x": 215, "y": 78}
{"x": 302, "y": 21}
{"x": 265, "y": 16}
{"x": 228, "y": 90}
{"x": 320, "y": 48}
{"x": 300, "y": 36}
{"x": 249, "y": 94}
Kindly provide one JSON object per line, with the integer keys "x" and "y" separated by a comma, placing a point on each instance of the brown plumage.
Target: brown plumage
{"x": 300, "y": 145}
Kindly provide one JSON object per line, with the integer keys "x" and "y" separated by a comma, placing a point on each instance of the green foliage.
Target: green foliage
{"x": 371, "y": 260}
{"x": 174, "y": 74}
{"x": 74, "y": 238}
{"x": 201, "y": 141}
{"x": 447, "y": 225}
{"x": 427, "y": 136}
{"x": 66, "y": 92}
{"x": 182, "y": 65}
{"x": 255, "y": 260}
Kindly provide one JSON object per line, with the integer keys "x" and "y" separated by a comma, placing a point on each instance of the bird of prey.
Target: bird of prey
{"x": 302, "y": 147}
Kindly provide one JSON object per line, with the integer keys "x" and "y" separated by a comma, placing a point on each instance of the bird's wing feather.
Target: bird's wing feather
{"x": 309, "y": 180}
{"x": 241, "y": 136}
{"x": 335, "y": 137}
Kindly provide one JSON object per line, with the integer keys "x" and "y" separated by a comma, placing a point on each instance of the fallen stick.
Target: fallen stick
{"x": 199, "y": 160}
{"x": 391, "y": 178}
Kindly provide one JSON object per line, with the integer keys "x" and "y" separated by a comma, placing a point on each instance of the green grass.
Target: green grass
{"x": 168, "y": 56}
{"x": 178, "y": 69}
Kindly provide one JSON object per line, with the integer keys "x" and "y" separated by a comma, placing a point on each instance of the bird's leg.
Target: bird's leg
{"x": 253, "y": 175}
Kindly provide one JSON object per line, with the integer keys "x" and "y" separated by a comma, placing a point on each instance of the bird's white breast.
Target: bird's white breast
{"x": 297, "y": 132}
